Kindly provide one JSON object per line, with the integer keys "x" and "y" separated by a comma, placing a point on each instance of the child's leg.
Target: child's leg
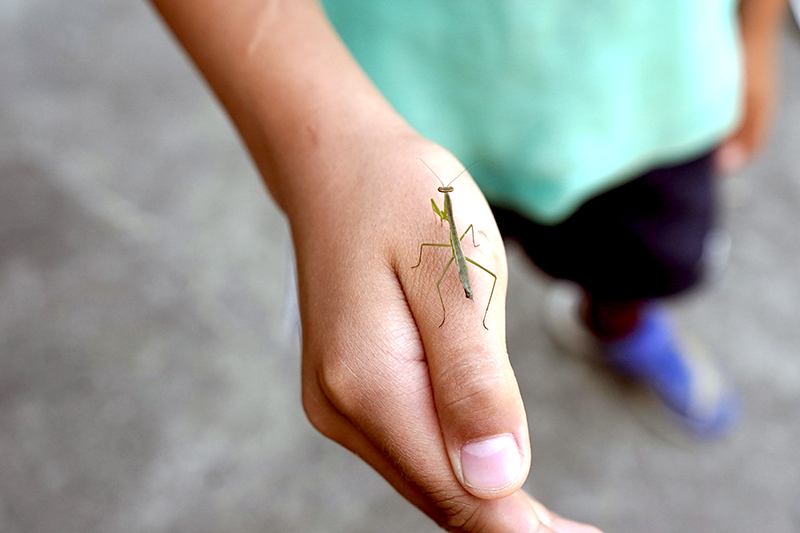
{"x": 627, "y": 248}
{"x": 609, "y": 320}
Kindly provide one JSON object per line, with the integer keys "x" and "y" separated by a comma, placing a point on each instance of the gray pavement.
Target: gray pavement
{"x": 148, "y": 377}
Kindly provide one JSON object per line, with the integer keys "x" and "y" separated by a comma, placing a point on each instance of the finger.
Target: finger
{"x": 335, "y": 425}
{"x": 558, "y": 523}
{"x": 476, "y": 395}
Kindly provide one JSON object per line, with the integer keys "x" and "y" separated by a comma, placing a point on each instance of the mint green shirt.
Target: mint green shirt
{"x": 556, "y": 100}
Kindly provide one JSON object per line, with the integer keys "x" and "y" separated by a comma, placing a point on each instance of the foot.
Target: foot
{"x": 678, "y": 372}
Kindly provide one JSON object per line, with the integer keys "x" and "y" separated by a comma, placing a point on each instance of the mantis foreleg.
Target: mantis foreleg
{"x": 475, "y": 244}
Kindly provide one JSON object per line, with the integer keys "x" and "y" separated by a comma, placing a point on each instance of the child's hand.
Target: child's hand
{"x": 435, "y": 410}
{"x": 760, "y": 28}
{"x": 759, "y": 101}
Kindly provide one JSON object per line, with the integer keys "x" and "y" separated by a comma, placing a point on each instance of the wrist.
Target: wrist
{"x": 316, "y": 153}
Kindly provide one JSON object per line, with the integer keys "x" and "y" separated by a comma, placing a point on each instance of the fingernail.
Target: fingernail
{"x": 492, "y": 463}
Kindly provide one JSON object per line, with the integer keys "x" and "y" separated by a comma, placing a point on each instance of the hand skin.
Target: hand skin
{"x": 380, "y": 376}
{"x": 760, "y": 24}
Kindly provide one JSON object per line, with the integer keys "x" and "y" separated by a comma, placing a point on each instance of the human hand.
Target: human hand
{"x": 760, "y": 24}
{"x": 435, "y": 410}
{"x": 759, "y": 100}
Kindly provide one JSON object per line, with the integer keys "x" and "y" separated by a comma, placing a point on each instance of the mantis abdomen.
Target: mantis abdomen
{"x": 458, "y": 252}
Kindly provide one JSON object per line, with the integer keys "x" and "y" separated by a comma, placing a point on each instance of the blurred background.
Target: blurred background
{"x": 149, "y": 375}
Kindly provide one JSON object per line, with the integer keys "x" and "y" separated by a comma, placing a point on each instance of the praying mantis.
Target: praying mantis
{"x": 460, "y": 259}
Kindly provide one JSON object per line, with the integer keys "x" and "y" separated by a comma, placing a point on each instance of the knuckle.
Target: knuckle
{"x": 473, "y": 391}
{"x": 459, "y": 512}
{"x": 328, "y": 401}
{"x": 466, "y": 520}
{"x": 318, "y": 414}
{"x": 330, "y": 389}
{"x": 342, "y": 384}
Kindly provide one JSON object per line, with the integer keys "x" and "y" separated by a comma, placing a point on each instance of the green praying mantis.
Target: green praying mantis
{"x": 460, "y": 259}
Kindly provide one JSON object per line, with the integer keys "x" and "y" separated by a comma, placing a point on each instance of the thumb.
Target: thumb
{"x": 477, "y": 398}
{"x": 481, "y": 415}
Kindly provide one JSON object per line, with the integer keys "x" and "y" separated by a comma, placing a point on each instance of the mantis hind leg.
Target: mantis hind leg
{"x": 490, "y": 294}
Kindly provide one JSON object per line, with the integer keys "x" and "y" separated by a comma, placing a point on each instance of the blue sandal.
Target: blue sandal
{"x": 678, "y": 371}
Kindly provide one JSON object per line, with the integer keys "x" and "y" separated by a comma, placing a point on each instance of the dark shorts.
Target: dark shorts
{"x": 641, "y": 240}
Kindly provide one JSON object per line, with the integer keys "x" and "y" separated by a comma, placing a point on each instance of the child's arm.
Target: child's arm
{"x": 379, "y": 376}
{"x": 294, "y": 93}
{"x": 760, "y": 25}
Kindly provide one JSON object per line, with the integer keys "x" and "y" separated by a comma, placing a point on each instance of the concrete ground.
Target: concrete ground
{"x": 149, "y": 380}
